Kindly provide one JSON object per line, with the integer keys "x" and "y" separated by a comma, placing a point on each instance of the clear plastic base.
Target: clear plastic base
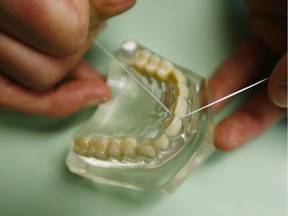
{"x": 132, "y": 141}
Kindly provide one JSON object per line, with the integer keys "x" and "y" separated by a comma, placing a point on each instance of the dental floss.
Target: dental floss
{"x": 226, "y": 97}
{"x": 129, "y": 73}
{"x": 162, "y": 105}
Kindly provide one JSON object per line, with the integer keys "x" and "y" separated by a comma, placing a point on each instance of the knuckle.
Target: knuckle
{"x": 68, "y": 40}
{"x": 45, "y": 78}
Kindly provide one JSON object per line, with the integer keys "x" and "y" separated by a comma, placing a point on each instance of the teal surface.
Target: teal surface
{"x": 198, "y": 34}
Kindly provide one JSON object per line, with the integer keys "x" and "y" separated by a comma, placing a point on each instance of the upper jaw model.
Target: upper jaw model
{"x": 132, "y": 131}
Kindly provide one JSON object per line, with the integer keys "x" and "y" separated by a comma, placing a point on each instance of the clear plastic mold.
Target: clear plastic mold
{"x": 133, "y": 141}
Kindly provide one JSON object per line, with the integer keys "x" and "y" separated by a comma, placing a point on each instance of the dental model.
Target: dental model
{"x": 119, "y": 148}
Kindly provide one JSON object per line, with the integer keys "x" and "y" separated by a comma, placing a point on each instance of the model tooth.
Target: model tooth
{"x": 163, "y": 70}
{"x": 98, "y": 148}
{"x": 182, "y": 90}
{"x": 161, "y": 143}
{"x": 147, "y": 150}
{"x": 129, "y": 146}
{"x": 179, "y": 108}
{"x": 178, "y": 77}
{"x": 140, "y": 58}
{"x": 80, "y": 150}
{"x": 114, "y": 149}
{"x": 173, "y": 126}
{"x": 151, "y": 65}
{"x": 91, "y": 147}
{"x": 81, "y": 145}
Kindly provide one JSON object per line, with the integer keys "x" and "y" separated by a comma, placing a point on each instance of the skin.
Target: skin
{"x": 267, "y": 104}
{"x": 41, "y": 49}
{"x": 42, "y": 70}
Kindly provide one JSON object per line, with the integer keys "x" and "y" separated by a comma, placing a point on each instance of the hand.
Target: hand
{"x": 41, "y": 47}
{"x": 268, "y": 43}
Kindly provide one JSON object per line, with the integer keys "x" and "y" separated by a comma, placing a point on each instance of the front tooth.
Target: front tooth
{"x": 173, "y": 126}
{"x": 178, "y": 77}
{"x": 182, "y": 90}
{"x": 163, "y": 70}
{"x": 152, "y": 64}
{"x": 129, "y": 146}
{"x": 81, "y": 145}
{"x": 179, "y": 108}
{"x": 147, "y": 150}
{"x": 98, "y": 148}
{"x": 114, "y": 149}
{"x": 140, "y": 58}
{"x": 162, "y": 142}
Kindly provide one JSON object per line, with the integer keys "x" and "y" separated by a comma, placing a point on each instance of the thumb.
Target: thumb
{"x": 277, "y": 88}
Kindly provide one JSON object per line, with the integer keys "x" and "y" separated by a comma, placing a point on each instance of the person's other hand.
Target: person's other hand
{"x": 265, "y": 107}
{"x": 41, "y": 49}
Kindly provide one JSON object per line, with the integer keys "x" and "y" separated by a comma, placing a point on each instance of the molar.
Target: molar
{"x": 140, "y": 58}
{"x": 151, "y": 65}
{"x": 98, "y": 147}
{"x": 81, "y": 145}
{"x": 114, "y": 149}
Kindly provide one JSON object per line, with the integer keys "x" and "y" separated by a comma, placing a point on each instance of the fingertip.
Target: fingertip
{"x": 105, "y": 9}
{"x": 278, "y": 84}
{"x": 225, "y": 139}
{"x": 235, "y": 130}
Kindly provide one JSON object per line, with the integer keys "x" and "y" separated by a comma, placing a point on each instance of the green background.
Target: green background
{"x": 198, "y": 34}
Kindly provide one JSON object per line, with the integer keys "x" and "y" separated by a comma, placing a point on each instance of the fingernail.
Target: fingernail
{"x": 280, "y": 95}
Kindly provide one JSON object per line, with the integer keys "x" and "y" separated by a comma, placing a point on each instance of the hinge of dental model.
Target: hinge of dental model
{"x": 121, "y": 148}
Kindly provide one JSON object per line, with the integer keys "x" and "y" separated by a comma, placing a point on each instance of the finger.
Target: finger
{"x": 101, "y": 10}
{"x": 278, "y": 83}
{"x": 56, "y": 27}
{"x": 32, "y": 67}
{"x": 105, "y": 9}
{"x": 84, "y": 88}
{"x": 245, "y": 65}
{"x": 256, "y": 116}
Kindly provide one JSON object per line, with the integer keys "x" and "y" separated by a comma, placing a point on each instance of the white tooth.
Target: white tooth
{"x": 182, "y": 90}
{"x": 114, "y": 148}
{"x": 179, "y": 108}
{"x": 163, "y": 70}
{"x": 173, "y": 126}
{"x": 147, "y": 150}
{"x": 81, "y": 145}
{"x": 162, "y": 142}
{"x": 178, "y": 77}
{"x": 98, "y": 147}
{"x": 151, "y": 65}
{"x": 129, "y": 146}
{"x": 140, "y": 58}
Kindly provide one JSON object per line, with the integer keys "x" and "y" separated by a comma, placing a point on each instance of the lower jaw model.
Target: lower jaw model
{"x": 143, "y": 138}
{"x": 131, "y": 148}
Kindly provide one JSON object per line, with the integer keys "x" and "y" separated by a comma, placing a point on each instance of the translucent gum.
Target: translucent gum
{"x": 155, "y": 150}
